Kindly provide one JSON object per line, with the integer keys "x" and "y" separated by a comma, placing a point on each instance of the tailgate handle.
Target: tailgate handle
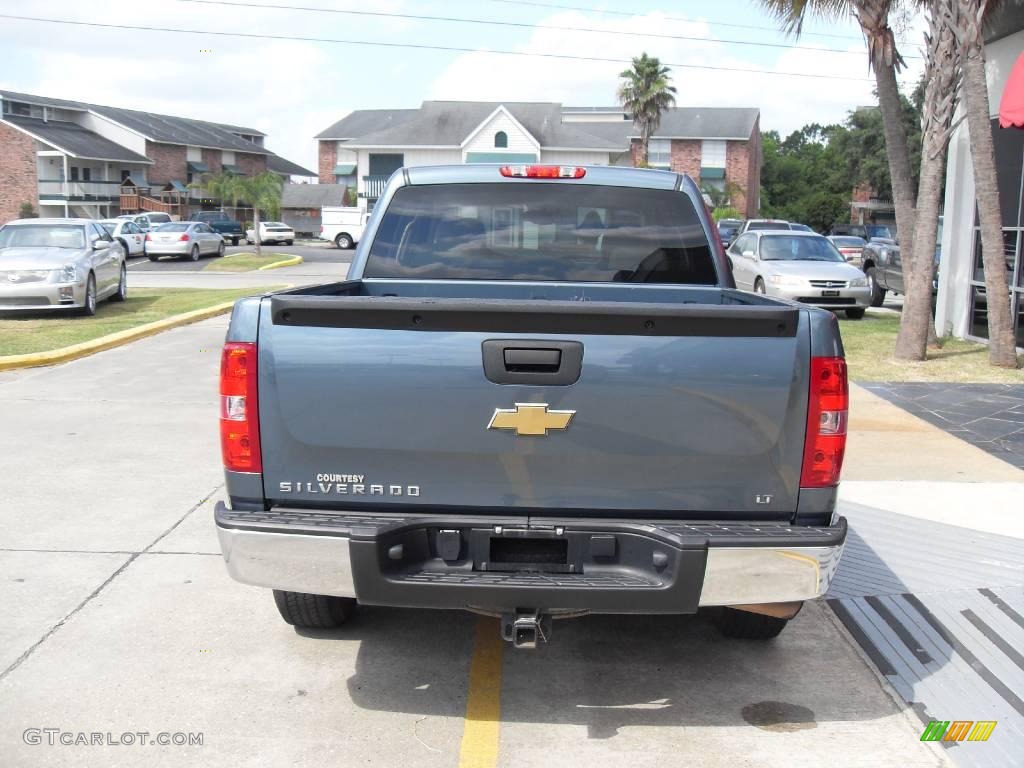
{"x": 533, "y": 360}
{"x": 526, "y": 361}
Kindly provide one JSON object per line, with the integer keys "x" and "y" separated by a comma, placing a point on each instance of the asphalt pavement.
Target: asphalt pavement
{"x": 120, "y": 619}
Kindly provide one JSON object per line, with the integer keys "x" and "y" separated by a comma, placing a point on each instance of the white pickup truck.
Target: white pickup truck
{"x": 342, "y": 225}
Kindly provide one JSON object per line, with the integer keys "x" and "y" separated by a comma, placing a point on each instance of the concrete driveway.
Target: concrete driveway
{"x": 120, "y": 619}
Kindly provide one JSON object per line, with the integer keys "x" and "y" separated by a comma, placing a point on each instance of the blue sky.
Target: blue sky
{"x": 291, "y": 90}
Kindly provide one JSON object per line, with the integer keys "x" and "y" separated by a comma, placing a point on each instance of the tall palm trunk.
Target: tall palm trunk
{"x": 256, "y": 229}
{"x": 1001, "y": 348}
{"x": 898, "y": 153}
{"x": 942, "y": 67}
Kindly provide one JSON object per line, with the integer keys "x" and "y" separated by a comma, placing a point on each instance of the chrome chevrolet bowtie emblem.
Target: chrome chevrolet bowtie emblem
{"x": 530, "y": 419}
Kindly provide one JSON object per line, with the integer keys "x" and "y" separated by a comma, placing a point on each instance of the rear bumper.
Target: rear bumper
{"x": 618, "y": 566}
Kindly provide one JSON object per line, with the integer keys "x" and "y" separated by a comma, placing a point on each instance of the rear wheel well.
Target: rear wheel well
{"x": 868, "y": 265}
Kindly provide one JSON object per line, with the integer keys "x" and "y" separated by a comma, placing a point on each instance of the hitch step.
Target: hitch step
{"x": 526, "y": 628}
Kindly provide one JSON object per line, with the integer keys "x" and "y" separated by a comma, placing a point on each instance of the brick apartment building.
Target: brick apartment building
{"x": 719, "y": 148}
{"x": 69, "y": 158}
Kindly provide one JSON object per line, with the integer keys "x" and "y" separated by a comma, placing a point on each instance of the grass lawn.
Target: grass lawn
{"x": 869, "y": 344}
{"x": 41, "y": 333}
{"x": 244, "y": 262}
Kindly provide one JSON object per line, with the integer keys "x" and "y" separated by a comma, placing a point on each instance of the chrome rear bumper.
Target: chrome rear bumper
{"x": 322, "y": 562}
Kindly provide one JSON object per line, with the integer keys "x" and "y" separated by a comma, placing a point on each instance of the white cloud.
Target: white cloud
{"x": 786, "y": 103}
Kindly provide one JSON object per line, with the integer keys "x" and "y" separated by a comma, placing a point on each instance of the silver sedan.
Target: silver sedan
{"x": 184, "y": 239}
{"x": 53, "y": 264}
{"x": 800, "y": 266}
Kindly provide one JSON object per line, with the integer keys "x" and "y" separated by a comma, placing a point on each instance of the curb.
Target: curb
{"x": 111, "y": 340}
{"x": 289, "y": 262}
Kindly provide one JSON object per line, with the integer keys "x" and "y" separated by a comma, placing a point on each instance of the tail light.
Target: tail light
{"x": 184, "y": 237}
{"x": 543, "y": 171}
{"x": 827, "y": 407}
{"x": 149, "y": 238}
{"x": 239, "y": 415}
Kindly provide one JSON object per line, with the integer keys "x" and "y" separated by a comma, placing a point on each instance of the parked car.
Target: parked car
{"x": 882, "y": 263}
{"x": 801, "y": 266}
{"x": 799, "y": 227}
{"x": 728, "y": 230}
{"x": 509, "y": 448}
{"x": 184, "y": 239}
{"x": 128, "y": 234}
{"x": 757, "y": 225}
{"x": 343, "y": 225}
{"x": 865, "y": 231}
{"x": 55, "y": 264}
{"x": 220, "y": 223}
{"x": 271, "y": 232}
{"x": 852, "y": 248}
{"x": 147, "y": 222}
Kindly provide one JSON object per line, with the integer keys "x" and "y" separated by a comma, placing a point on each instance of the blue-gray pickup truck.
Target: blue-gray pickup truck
{"x": 538, "y": 394}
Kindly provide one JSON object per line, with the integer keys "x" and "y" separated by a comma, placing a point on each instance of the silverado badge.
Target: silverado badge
{"x": 530, "y": 419}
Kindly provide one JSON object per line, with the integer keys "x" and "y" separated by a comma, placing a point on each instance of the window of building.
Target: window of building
{"x": 501, "y": 140}
{"x": 74, "y": 173}
{"x": 194, "y": 154}
{"x": 659, "y": 153}
{"x": 227, "y": 157}
{"x": 17, "y": 108}
{"x": 712, "y": 153}
{"x": 87, "y": 174}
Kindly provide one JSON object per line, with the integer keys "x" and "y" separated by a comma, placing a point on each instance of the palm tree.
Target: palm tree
{"x": 966, "y": 23}
{"x": 645, "y": 92}
{"x": 885, "y": 61}
{"x": 944, "y": 74}
{"x": 263, "y": 193}
{"x": 226, "y": 187}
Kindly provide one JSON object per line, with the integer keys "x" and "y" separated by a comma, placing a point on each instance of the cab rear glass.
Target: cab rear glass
{"x": 541, "y": 232}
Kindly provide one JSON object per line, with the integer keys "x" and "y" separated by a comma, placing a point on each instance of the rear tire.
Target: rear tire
{"x": 877, "y": 293}
{"x": 234, "y": 241}
{"x": 220, "y": 250}
{"x": 744, "y": 625}
{"x": 154, "y": 258}
{"x": 193, "y": 255}
{"x": 759, "y": 286}
{"x": 288, "y": 242}
{"x": 343, "y": 241}
{"x": 301, "y": 609}
{"x": 856, "y": 313}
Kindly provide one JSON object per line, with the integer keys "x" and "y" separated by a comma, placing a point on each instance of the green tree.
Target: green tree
{"x": 263, "y": 193}
{"x": 645, "y": 92}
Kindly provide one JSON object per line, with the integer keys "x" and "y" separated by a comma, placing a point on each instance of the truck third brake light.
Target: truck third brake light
{"x": 543, "y": 171}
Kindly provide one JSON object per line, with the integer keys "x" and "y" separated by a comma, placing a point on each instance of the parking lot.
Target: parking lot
{"x": 121, "y": 619}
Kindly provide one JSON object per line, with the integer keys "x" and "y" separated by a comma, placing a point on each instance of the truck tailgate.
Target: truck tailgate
{"x": 689, "y": 412}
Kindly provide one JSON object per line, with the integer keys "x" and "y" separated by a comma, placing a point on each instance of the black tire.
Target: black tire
{"x": 343, "y": 241}
{"x": 759, "y": 286}
{"x": 193, "y": 255}
{"x": 877, "y": 292}
{"x": 220, "y": 250}
{"x": 153, "y": 257}
{"x": 122, "y": 286}
{"x": 89, "y": 309}
{"x": 301, "y": 609}
{"x": 856, "y": 313}
{"x": 234, "y": 240}
{"x": 288, "y": 242}
{"x": 744, "y": 625}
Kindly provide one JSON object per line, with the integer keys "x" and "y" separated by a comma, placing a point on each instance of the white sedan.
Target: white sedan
{"x": 128, "y": 233}
{"x": 271, "y": 232}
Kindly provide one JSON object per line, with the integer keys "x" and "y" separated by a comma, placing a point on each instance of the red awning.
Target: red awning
{"x": 1011, "y": 108}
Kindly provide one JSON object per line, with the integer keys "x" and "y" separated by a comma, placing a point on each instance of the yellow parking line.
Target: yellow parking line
{"x": 483, "y": 704}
